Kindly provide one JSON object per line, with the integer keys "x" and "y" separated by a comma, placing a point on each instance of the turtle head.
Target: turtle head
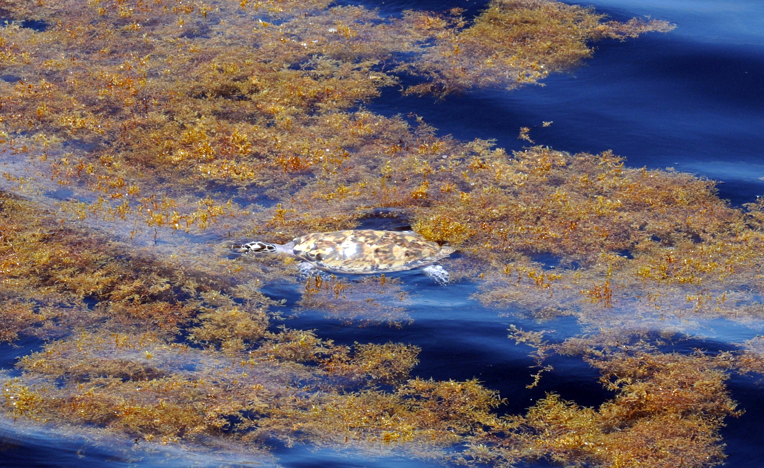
{"x": 256, "y": 247}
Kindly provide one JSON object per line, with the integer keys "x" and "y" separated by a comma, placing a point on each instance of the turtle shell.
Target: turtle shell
{"x": 368, "y": 251}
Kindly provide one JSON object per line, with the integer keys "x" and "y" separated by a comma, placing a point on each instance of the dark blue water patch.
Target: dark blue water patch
{"x": 288, "y": 291}
{"x": 572, "y": 379}
{"x": 10, "y": 353}
{"x": 740, "y": 193}
{"x": 34, "y": 25}
{"x": 10, "y": 78}
{"x": 742, "y": 437}
{"x": 543, "y": 463}
{"x": 725, "y": 77}
{"x": 500, "y": 364}
{"x": 547, "y": 260}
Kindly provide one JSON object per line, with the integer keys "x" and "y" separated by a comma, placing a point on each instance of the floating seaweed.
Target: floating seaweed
{"x": 137, "y": 137}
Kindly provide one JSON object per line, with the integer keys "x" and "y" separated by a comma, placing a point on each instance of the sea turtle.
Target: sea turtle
{"x": 362, "y": 251}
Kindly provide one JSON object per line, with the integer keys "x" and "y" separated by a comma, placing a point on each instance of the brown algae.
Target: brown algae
{"x": 153, "y": 116}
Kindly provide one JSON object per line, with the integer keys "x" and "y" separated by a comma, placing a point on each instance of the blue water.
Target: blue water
{"x": 692, "y": 99}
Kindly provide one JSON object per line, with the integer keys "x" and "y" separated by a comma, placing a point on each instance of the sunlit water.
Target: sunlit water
{"x": 692, "y": 99}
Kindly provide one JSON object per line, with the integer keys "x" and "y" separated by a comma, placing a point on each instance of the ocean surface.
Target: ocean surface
{"x": 691, "y": 99}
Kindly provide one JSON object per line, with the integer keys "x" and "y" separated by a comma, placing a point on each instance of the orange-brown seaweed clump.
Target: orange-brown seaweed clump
{"x": 512, "y": 43}
{"x": 135, "y": 105}
{"x": 667, "y": 411}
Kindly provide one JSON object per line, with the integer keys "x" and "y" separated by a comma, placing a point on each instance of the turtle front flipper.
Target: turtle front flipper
{"x": 437, "y": 273}
{"x": 307, "y": 270}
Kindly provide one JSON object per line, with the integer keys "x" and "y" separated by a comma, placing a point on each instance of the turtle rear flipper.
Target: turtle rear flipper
{"x": 437, "y": 273}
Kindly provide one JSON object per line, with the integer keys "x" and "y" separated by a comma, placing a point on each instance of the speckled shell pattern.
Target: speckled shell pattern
{"x": 368, "y": 251}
